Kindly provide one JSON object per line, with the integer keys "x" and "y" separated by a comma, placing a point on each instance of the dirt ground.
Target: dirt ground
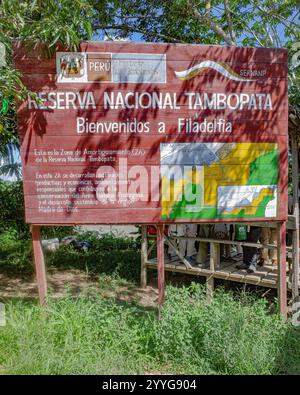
{"x": 76, "y": 282}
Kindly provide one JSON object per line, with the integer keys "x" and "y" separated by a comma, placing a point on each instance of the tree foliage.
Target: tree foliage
{"x": 268, "y": 23}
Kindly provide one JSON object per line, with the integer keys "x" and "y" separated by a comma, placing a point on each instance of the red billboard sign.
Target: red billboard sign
{"x": 154, "y": 133}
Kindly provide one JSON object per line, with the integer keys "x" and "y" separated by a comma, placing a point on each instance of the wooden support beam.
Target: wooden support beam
{"x": 178, "y": 253}
{"x": 295, "y": 234}
{"x": 281, "y": 258}
{"x": 291, "y": 222}
{"x": 160, "y": 267}
{"x": 39, "y": 264}
{"x": 232, "y": 242}
{"x": 214, "y": 256}
{"x": 151, "y": 248}
{"x": 214, "y": 263}
{"x": 144, "y": 256}
{"x": 224, "y": 241}
{"x": 210, "y": 287}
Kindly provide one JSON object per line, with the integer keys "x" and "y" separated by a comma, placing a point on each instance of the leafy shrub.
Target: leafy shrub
{"x": 52, "y": 232}
{"x": 79, "y": 336}
{"x": 97, "y": 336}
{"x": 15, "y": 253}
{"x": 109, "y": 254}
{"x": 12, "y": 214}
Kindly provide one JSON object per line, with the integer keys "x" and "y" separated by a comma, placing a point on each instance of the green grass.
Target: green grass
{"x": 237, "y": 334}
{"x": 94, "y": 335}
{"x": 15, "y": 253}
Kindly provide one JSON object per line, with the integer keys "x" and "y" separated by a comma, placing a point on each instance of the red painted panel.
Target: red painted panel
{"x": 121, "y": 131}
{"x": 117, "y": 216}
{"x": 175, "y": 51}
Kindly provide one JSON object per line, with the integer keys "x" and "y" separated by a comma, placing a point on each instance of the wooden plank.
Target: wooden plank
{"x": 73, "y": 152}
{"x": 234, "y": 242}
{"x": 94, "y": 216}
{"x": 282, "y": 280}
{"x": 246, "y": 120}
{"x": 160, "y": 266}
{"x": 260, "y": 274}
{"x": 209, "y": 288}
{"x": 39, "y": 264}
{"x": 180, "y": 268}
{"x": 61, "y": 102}
{"x": 292, "y": 222}
{"x": 225, "y": 270}
{"x": 37, "y": 51}
{"x": 270, "y": 280}
{"x": 214, "y": 263}
{"x": 46, "y": 68}
{"x": 295, "y": 237}
{"x": 150, "y": 249}
{"x": 144, "y": 254}
{"x": 254, "y": 129}
{"x": 214, "y": 256}
{"x": 240, "y": 274}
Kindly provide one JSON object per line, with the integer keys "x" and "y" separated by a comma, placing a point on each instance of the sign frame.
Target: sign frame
{"x": 35, "y": 123}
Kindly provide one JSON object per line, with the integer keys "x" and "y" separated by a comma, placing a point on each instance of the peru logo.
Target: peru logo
{"x": 220, "y": 67}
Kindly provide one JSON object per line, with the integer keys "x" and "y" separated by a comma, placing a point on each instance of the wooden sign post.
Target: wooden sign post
{"x": 136, "y": 133}
{"x": 39, "y": 264}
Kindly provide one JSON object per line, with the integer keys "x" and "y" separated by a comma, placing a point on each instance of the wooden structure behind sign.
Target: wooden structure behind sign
{"x": 139, "y": 133}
